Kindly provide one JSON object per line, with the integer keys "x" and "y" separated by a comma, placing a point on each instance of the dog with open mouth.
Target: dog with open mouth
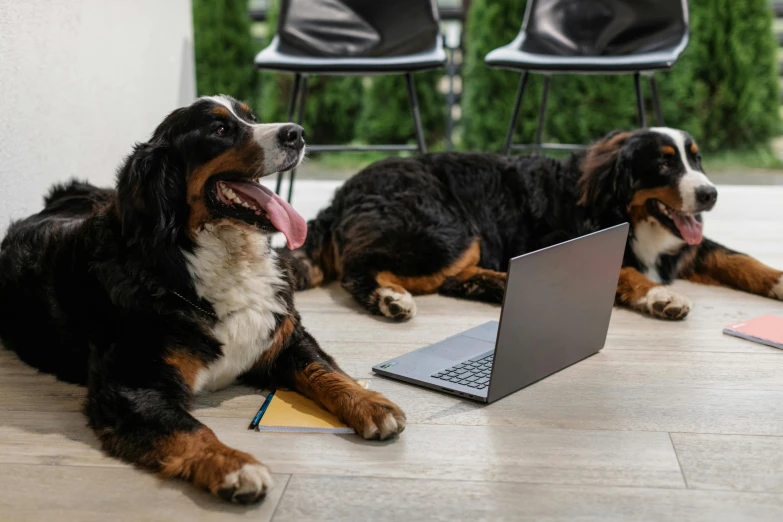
{"x": 167, "y": 287}
{"x": 449, "y": 223}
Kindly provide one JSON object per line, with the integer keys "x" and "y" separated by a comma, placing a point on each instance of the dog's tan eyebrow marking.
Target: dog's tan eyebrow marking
{"x": 225, "y": 103}
{"x": 694, "y": 147}
{"x": 669, "y": 150}
{"x": 245, "y": 107}
{"x": 221, "y": 112}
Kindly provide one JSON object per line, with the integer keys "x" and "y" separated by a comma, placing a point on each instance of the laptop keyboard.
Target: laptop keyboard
{"x": 474, "y": 374}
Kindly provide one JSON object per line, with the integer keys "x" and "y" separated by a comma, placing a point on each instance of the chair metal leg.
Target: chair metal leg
{"x": 299, "y": 119}
{"x": 291, "y": 107}
{"x": 656, "y": 101}
{"x": 450, "y": 98}
{"x": 637, "y": 80}
{"x": 515, "y": 114}
{"x": 542, "y": 114}
{"x": 413, "y": 99}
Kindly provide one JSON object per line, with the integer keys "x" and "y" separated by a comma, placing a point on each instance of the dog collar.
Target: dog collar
{"x": 194, "y": 305}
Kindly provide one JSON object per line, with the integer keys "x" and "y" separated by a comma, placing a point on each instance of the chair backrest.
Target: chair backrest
{"x": 358, "y": 28}
{"x": 603, "y": 27}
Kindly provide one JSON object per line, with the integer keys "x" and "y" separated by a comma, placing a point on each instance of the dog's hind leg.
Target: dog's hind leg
{"x": 379, "y": 294}
{"x": 389, "y": 292}
{"x": 717, "y": 265}
{"x": 477, "y": 284}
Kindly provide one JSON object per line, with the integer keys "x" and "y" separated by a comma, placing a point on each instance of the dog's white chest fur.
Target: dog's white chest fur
{"x": 236, "y": 270}
{"x": 650, "y": 241}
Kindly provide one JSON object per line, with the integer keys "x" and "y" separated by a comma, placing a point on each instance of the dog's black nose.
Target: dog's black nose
{"x": 706, "y": 197}
{"x": 291, "y": 136}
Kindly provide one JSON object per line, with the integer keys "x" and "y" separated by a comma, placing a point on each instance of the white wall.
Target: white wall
{"x": 80, "y": 82}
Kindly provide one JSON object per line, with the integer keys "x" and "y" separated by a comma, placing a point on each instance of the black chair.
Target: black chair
{"x": 593, "y": 37}
{"x": 354, "y": 37}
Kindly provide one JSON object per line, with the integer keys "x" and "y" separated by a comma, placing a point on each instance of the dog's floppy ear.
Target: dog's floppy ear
{"x": 148, "y": 189}
{"x": 605, "y": 181}
{"x": 151, "y": 188}
{"x": 623, "y": 179}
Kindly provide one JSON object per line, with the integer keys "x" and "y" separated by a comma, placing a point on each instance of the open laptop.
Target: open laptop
{"x": 556, "y": 312}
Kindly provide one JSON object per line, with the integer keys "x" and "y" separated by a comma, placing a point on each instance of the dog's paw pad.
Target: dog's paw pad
{"x": 247, "y": 485}
{"x": 378, "y": 418}
{"x": 399, "y": 306}
{"x": 665, "y": 304}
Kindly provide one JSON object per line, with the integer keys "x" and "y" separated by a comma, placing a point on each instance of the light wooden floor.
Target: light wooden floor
{"x": 671, "y": 421}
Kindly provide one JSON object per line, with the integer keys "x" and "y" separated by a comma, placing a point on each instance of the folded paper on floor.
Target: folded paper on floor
{"x": 764, "y": 330}
{"x": 290, "y": 412}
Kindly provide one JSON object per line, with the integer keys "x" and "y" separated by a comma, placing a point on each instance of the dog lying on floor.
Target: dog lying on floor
{"x": 450, "y": 222}
{"x": 168, "y": 286}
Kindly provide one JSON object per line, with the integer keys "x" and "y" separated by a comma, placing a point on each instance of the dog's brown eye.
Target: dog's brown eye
{"x": 220, "y": 131}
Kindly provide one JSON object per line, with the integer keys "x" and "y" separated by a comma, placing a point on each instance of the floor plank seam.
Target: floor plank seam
{"x": 689, "y": 352}
{"x": 679, "y": 464}
{"x": 430, "y": 479}
{"x": 119, "y": 465}
{"x": 500, "y": 481}
{"x": 726, "y": 434}
{"x": 205, "y": 419}
{"x": 601, "y": 429}
{"x": 280, "y": 500}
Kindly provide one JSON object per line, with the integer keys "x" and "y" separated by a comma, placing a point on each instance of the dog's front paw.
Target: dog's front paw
{"x": 376, "y": 417}
{"x": 665, "y": 304}
{"x": 399, "y": 306}
{"x": 246, "y": 485}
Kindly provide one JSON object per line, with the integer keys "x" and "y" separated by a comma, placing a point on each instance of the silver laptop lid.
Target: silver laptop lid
{"x": 556, "y": 309}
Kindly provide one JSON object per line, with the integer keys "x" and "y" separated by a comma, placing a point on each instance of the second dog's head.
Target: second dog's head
{"x": 649, "y": 175}
{"x": 203, "y": 164}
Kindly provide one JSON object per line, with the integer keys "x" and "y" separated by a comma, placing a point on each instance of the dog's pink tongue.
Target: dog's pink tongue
{"x": 689, "y": 228}
{"x": 282, "y": 215}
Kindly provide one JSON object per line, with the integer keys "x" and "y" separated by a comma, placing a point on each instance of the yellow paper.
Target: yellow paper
{"x": 291, "y": 412}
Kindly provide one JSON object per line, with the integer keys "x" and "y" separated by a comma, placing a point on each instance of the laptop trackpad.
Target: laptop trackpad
{"x": 458, "y": 348}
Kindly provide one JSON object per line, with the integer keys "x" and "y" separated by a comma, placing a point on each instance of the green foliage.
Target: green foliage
{"x": 386, "y": 116}
{"x": 224, "y": 49}
{"x": 732, "y": 66}
{"x": 723, "y": 89}
{"x": 332, "y": 107}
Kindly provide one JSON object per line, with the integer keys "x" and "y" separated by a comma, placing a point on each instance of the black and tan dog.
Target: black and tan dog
{"x": 450, "y": 222}
{"x": 167, "y": 286}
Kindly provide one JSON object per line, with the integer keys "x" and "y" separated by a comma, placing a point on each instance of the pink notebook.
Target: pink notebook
{"x": 765, "y": 330}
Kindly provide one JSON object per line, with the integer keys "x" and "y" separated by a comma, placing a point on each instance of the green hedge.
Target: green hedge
{"x": 723, "y": 90}
{"x": 224, "y": 49}
{"x": 386, "y": 116}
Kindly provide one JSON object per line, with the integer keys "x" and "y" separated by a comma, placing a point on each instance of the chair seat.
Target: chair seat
{"x": 279, "y": 56}
{"x": 512, "y": 56}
